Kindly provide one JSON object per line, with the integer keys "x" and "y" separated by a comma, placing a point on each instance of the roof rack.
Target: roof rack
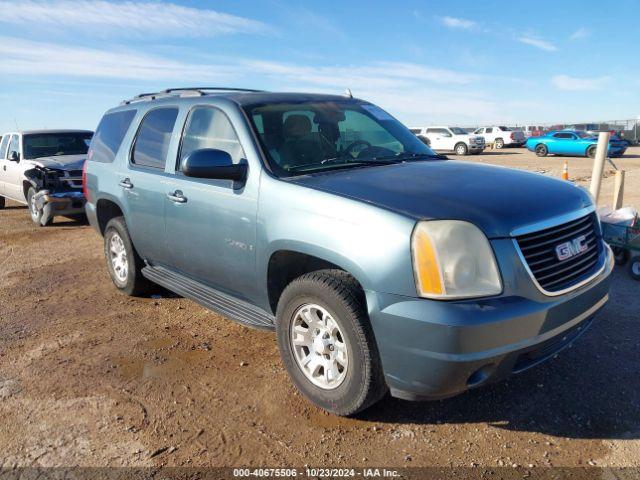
{"x": 185, "y": 91}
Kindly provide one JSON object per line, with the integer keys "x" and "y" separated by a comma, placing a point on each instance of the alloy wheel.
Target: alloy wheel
{"x": 319, "y": 346}
{"x": 118, "y": 258}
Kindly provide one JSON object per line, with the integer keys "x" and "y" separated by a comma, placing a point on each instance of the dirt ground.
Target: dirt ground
{"x": 89, "y": 377}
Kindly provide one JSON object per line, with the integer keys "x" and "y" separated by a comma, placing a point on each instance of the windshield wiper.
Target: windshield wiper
{"x": 401, "y": 157}
{"x": 352, "y": 163}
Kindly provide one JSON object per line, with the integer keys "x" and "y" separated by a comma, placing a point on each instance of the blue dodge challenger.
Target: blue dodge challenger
{"x": 574, "y": 143}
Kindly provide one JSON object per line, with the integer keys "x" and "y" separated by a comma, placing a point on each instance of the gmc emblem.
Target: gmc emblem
{"x": 570, "y": 249}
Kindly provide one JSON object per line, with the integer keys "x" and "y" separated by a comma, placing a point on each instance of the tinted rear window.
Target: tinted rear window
{"x": 108, "y": 138}
{"x": 154, "y": 136}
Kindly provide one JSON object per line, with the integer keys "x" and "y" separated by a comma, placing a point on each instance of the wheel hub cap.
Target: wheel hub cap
{"x": 118, "y": 257}
{"x": 319, "y": 347}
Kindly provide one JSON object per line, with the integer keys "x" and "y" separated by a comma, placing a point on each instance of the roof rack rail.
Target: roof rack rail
{"x": 180, "y": 91}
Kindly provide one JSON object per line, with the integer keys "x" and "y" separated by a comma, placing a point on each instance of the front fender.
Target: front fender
{"x": 371, "y": 243}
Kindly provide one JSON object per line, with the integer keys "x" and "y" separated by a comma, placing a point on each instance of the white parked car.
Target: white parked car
{"x": 450, "y": 139}
{"x": 43, "y": 169}
{"x": 502, "y": 136}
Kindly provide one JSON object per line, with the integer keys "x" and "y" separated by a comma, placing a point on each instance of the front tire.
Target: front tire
{"x": 34, "y": 211}
{"x": 541, "y": 150}
{"x": 620, "y": 255}
{"x": 123, "y": 262}
{"x": 634, "y": 268}
{"x": 461, "y": 149}
{"x": 327, "y": 344}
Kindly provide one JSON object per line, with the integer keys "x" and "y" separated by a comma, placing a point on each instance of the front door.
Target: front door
{"x": 562, "y": 143}
{"x": 4, "y": 144}
{"x": 210, "y": 223}
{"x": 144, "y": 184}
{"x": 13, "y": 171}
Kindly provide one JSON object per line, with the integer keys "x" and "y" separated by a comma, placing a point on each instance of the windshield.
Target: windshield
{"x": 458, "y": 131}
{"x": 505, "y": 129}
{"x": 53, "y": 144}
{"x": 306, "y": 137}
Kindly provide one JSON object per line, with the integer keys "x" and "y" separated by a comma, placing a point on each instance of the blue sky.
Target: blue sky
{"x": 64, "y": 62}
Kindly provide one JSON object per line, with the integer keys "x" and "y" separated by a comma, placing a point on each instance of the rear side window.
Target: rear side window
{"x": 109, "y": 135}
{"x": 209, "y": 127}
{"x": 152, "y": 143}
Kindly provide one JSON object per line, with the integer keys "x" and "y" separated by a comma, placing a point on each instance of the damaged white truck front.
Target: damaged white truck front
{"x": 43, "y": 169}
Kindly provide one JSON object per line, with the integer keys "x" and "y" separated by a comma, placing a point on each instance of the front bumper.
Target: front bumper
{"x": 59, "y": 204}
{"x": 436, "y": 349}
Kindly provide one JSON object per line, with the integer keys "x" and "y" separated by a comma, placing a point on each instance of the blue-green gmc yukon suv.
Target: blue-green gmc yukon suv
{"x": 382, "y": 266}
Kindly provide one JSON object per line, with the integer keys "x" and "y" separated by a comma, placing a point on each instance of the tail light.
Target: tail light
{"x": 513, "y": 135}
{"x": 85, "y": 190}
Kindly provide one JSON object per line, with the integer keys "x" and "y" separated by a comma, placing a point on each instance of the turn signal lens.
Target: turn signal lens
{"x": 453, "y": 259}
{"x": 427, "y": 270}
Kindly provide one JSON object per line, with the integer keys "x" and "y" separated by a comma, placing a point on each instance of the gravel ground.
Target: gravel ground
{"x": 90, "y": 377}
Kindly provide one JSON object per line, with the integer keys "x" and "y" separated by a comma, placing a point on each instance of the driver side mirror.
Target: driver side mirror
{"x": 14, "y": 156}
{"x": 212, "y": 163}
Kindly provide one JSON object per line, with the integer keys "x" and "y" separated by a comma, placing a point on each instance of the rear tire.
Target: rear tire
{"x": 499, "y": 143}
{"x": 591, "y": 151}
{"x": 461, "y": 149}
{"x": 2, "y": 203}
{"x": 541, "y": 150}
{"x": 123, "y": 262}
{"x": 322, "y": 325}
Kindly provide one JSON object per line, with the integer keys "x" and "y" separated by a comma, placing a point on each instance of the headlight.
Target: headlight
{"x": 453, "y": 259}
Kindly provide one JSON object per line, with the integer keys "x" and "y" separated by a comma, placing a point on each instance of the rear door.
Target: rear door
{"x": 438, "y": 138}
{"x": 144, "y": 183}
{"x": 211, "y": 223}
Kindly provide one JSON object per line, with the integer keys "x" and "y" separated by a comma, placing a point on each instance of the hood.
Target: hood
{"x": 61, "y": 162}
{"x": 495, "y": 199}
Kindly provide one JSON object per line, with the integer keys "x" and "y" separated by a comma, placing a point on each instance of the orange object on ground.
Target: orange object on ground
{"x": 565, "y": 171}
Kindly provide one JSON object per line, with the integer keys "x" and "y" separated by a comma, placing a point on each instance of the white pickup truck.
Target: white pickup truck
{"x": 450, "y": 139}
{"x": 502, "y": 136}
{"x": 43, "y": 169}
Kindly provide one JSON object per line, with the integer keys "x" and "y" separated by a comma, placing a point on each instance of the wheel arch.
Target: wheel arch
{"x": 287, "y": 264}
{"x": 26, "y": 185}
{"x": 106, "y": 209}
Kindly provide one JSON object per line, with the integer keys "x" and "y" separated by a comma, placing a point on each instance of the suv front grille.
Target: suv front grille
{"x": 539, "y": 250}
